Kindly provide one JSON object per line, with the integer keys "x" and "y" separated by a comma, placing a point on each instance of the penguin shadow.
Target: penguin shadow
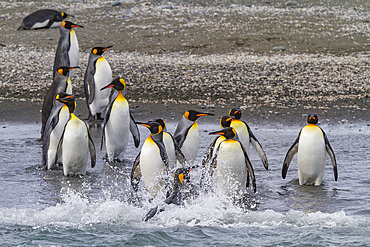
{"x": 309, "y": 198}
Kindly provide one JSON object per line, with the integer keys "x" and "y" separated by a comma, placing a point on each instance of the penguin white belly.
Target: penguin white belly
{"x": 153, "y": 169}
{"x": 75, "y": 148}
{"x": 190, "y": 146}
{"x": 73, "y": 52}
{"x": 230, "y": 175}
{"x": 117, "y": 130}
{"x": 311, "y": 156}
{"x": 243, "y": 134}
{"x": 170, "y": 150}
{"x": 56, "y": 135}
{"x": 40, "y": 24}
{"x": 102, "y": 77}
{"x": 56, "y": 24}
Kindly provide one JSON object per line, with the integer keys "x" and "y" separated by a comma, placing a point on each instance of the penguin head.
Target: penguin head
{"x": 64, "y": 70}
{"x": 312, "y": 119}
{"x": 68, "y": 100}
{"x": 161, "y": 122}
{"x": 154, "y": 127}
{"x": 99, "y": 50}
{"x": 118, "y": 84}
{"x": 65, "y": 15}
{"x": 228, "y": 133}
{"x": 182, "y": 176}
{"x": 225, "y": 121}
{"x": 194, "y": 115}
{"x": 236, "y": 113}
{"x": 2, "y": 45}
{"x": 69, "y": 25}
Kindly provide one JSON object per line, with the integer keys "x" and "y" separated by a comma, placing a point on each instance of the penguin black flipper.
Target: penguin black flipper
{"x": 162, "y": 150}
{"x": 257, "y": 146}
{"x": 89, "y": 86}
{"x": 107, "y": 115}
{"x": 179, "y": 154}
{"x": 289, "y": 156}
{"x": 50, "y": 125}
{"x": 249, "y": 169}
{"x": 61, "y": 140}
{"x": 208, "y": 155}
{"x": 330, "y": 151}
{"x": 180, "y": 137}
{"x": 134, "y": 131}
{"x": 91, "y": 148}
{"x": 136, "y": 173}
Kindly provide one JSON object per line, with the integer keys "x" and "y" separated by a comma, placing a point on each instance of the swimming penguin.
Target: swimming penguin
{"x": 187, "y": 134}
{"x": 311, "y": 146}
{"x": 61, "y": 83}
{"x": 98, "y": 74}
{"x": 180, "y": 191}
{"x": 67, "y": 53}
{"x": 230, "y": 164}
{"x": 153, "y": 162}
{"x": 118, "y": 122}
{"x": 225, "y": 122}
{"x": 246, "y": 136}
{"x": 76, "y": 143}
{"x": 54, "y": 129}
{"x": 44, "y": 18}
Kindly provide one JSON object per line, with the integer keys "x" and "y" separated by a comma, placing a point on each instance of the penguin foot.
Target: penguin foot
{"x": 99, "y": 117}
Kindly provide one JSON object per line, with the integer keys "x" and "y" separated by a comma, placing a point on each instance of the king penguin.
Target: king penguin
{"x": 187, "y": 134}
{"x": 118, "y": 122}
{"x": 44, "y": 18}
{"x": 311, "y": 146}
{"x": 2, "y": 45}
{"x": 54, "y": 129}
{"x": 246, "y": 136}
{"x": 181, "y": 189}
{"x": 153, "y": 162}
{"x": 67, "y": 53}
{"x": 61, "y": 83}
{"x": 174, "y": 154}
{"x": 76, "y": 144}
{"x": 225, "y": 122}
{"x": 231, "y": 165}
{"x": 98, "y": 74}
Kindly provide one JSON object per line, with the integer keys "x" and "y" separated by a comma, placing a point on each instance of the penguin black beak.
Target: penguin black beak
{"x": 143, "y": 124}
{"x": 72, "y": 68}
{"x": 107, "y": 86}
{"x": 75, "y": 25}
{"x": 220, "y": 132}
{"x": 106, "y": 48}
{"x": 204, "y": 114}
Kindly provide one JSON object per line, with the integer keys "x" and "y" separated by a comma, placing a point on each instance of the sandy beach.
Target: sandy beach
{"x": 276, "y": 60}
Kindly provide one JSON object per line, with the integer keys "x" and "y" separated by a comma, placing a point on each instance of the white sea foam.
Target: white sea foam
{"x": 206, "y": 211}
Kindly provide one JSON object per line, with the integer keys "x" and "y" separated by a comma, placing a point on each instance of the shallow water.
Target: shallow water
{"x": 45, "y": 208}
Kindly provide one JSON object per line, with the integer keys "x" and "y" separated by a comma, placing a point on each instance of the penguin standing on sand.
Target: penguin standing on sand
{"x": 181, "y": 189}
{"x": 98, "y": 74}
{"x": 246, "y": 136}
{"x": 67, "y": 53}
{"x": 76, "y": 143}
{"x": 44, "y": 18}
{"x": 230, "y": 166}
{"x": 54, "y": 129}
{"x": 61, "y": 83}
{"x": 187, "y": 134}
{"x": 311, "y": 146}
{"x": 118, "y": 122}
{"x": 153, "y": 162}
